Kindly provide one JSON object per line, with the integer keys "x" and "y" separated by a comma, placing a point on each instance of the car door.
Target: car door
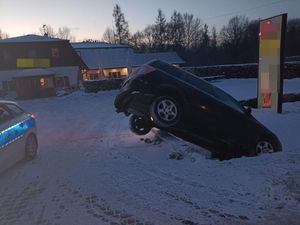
{"x": 232, "y": 119}
{"x": 11, "y": 137}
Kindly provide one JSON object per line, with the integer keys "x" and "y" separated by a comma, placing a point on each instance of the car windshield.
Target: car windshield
{"x": 199, "y": 83}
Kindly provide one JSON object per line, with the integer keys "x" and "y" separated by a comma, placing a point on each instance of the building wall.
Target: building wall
{"x": 72, "y": 72}
{"x": 37, "y": 55}
{"x": 101, "y": 74}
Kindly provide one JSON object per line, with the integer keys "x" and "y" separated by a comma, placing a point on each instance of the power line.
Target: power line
{"x": 245, "y": 10}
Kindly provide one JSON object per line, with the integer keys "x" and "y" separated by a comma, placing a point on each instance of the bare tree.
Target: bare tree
{"x": 65, "y": 33}
{"x": 205, "y": 39}
{"x": 121, "y": 25}
{"x": 160, "y": 31}
{"x": 108, "y": 35}
{"x": 232, "y": 37}
{"x": 148, "y": 36}
{"x": 214, "y": 38}
{"x": 233, "y": 33}
{"x": 193, "y": 30}
{"x": 292, "y": 37}
{"x": 176, "y": 30}
{"x": 3, "y": 35}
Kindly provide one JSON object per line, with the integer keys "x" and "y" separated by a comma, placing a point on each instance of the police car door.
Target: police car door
{"x": 11, "y": 141}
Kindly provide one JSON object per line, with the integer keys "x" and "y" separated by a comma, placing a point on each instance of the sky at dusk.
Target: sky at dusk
{"x": 89, "y": 18}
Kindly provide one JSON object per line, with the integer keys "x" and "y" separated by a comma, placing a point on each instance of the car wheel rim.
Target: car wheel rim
{"x": 167, "y": 110}
{"x": 264, "y": 147}
{"x": 31, "y": 146}
{"x": 138, "y": 124}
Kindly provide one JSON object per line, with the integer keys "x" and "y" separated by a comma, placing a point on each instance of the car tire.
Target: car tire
{"x": 263, "y": 146}
{"x": 31, "y": 146}
{"x": 140, "y": 125}
{"x": 165, "y": 111}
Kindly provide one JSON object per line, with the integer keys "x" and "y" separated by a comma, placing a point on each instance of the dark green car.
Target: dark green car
{"x": 163, "y": 96}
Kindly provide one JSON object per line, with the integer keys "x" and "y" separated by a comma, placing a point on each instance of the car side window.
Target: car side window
{"x": 15, "y": 109}
{"x": 228, "y": 100}
{"x": 4, "y": 115}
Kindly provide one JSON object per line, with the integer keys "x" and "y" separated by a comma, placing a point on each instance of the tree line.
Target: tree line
{"x": 190, "y": 37}
{"x": 195, "y": 41}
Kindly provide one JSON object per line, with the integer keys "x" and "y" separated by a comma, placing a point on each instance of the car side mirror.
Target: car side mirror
{"x": 248, "y": 111}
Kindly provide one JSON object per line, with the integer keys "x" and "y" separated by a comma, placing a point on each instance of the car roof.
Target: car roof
{"x": 8, "y": 102}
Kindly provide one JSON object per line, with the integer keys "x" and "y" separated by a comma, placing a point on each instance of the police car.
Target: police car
{"x": 18, "y": 139}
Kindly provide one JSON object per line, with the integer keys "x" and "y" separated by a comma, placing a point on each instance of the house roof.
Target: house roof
{"x": 169, "y": 57}
{"x": 33, "y": 73}
{"x": 107, "y": 57}
{"x": 96, "y": 45}
{"x": 30, "y": 38}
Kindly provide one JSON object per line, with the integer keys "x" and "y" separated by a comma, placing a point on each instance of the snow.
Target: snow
{"x": 96, "y": 45}
{"x": 30, "y": 38}
{"x": 92, "y": 170}
{"x": 243, "y": 89}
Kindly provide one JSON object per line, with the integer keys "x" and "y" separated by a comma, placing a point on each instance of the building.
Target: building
{"x": 35, "y": 66}
{"x": 105, "y": 60}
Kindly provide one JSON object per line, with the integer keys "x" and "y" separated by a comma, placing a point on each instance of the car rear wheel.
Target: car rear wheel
{"x": 140, "y": 125}
{"x": 31, "y": 146}
{"x": 165, "y": 111}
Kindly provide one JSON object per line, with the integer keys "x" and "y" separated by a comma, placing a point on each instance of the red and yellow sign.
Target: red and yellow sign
{"x": 270, "y": 62}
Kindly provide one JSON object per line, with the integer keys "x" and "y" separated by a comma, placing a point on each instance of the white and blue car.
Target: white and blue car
{"x": 18, "y": 138}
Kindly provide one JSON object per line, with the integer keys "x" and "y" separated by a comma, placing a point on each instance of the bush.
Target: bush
{"x": 291, "y": 70}
{"x": 102, "y": 85}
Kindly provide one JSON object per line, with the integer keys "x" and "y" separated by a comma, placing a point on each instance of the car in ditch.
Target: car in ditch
{"x": 18, "y": 135}
{"x": 161, "y": 95}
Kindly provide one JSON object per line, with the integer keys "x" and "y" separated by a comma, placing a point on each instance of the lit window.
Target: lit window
{"x": 42, "y": 82}
{"x": 47, "y": 82}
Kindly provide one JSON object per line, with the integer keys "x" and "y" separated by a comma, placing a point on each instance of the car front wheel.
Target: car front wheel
{"x": 140, "y": 125}
{"x": 31, "y": 147}
{"x": 165, "y": 111}
{"x": 263, "y": 146}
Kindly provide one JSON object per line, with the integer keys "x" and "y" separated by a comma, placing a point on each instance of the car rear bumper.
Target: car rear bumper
{"x": 123, "y": 100}
{"x": 133, "y": 101}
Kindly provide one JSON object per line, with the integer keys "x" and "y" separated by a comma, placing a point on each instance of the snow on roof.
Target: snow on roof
{"x": 33, "y": 73}
{"x": 96, "y": 58}
{"x": 30, "y": 38}
{"x": 107, "y": 57}
{"x": 169, "y": 57}
{"x": 96, "y": 45}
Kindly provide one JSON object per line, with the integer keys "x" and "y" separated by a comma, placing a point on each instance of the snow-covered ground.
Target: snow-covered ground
{"x": 92, "y": 170}
{"x": 243, "y": 89}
